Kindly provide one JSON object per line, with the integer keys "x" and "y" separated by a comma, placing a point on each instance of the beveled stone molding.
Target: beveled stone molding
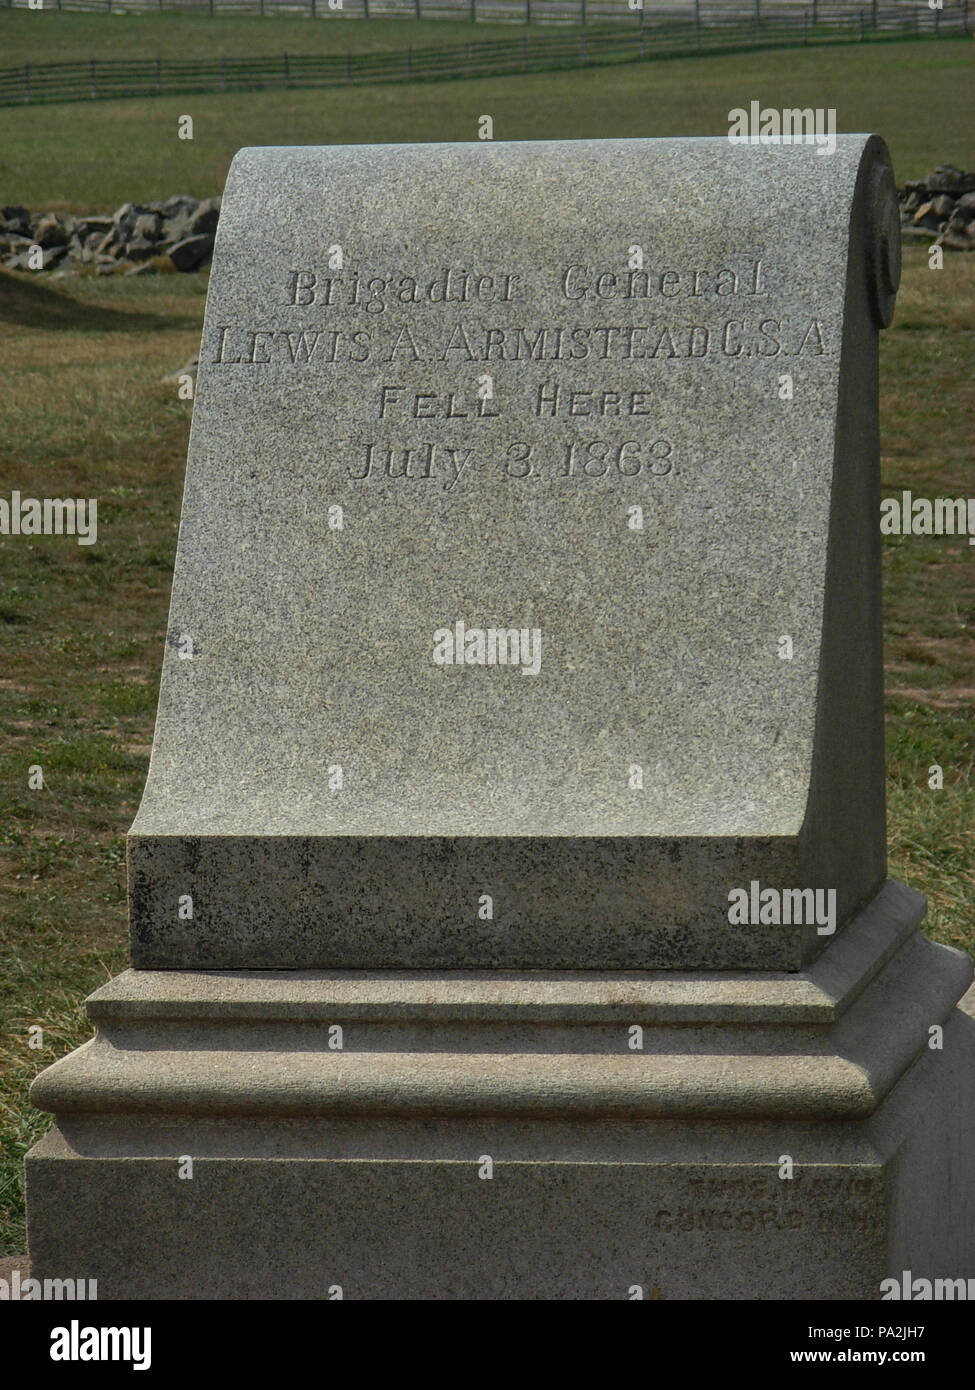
{"x": 829, "y": 1044}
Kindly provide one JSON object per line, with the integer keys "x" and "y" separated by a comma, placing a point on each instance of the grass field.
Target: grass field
{"x": 48, "y": 36}
{"x": 94, "y": 156}
{"x": 83, "y": 412}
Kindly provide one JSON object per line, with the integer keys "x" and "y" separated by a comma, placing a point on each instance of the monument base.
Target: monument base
{"x": 520, "y": 1136}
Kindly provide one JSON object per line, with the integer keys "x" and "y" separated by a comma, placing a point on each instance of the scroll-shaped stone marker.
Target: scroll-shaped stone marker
{"x": 528, "y": 550}
{"x": 508, "y": 894}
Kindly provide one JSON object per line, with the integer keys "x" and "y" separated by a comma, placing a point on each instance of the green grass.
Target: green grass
{"x": 83, "y": 413}
{"x": 47, "y": 36}
{"x": 919, "y": 95}
{"x": 927, "y": 406}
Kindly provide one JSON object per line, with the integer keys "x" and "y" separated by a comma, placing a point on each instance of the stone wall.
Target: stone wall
{"x": 173, "y": 235}
{"x": 940, "y": 208}
{"x": 178, "y": 234}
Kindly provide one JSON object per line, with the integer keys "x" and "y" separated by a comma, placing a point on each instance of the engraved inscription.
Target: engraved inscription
{"x": 373, "y": 293}
{"x": 583, "y": 282}
{"x": 759, "y": 1205}
{"x": 349, "y": 318}
{"x": 465, "y": 343}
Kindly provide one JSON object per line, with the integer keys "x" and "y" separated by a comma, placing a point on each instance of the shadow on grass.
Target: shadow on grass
{"x": 25, "y": 300}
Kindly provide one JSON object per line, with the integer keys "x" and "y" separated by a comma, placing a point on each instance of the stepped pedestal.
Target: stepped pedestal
{"x": 495, "y": 1135}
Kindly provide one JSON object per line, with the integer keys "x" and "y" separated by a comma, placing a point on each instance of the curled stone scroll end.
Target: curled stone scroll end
{"x": 883, "y": 243}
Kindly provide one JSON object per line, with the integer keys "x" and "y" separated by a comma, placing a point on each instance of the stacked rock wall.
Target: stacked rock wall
{"x": 173, "y": 235}
{"x": 941, "y": 208}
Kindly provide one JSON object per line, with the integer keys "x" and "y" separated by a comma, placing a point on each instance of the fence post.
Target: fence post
{"x": 861, "y": 26}
{"x": 287, "y": 72}
{"x": 697, "y": 24}
{"x": 582, "y": 15}
{"x": 528, "y": 11}
{"x": 91, "y": 69}
{"x": 211, "y": 9}
{"x": 262, "y": 9}
{"x": 473, "y": 11}
{"x": 27, "y": 81}
{"x": 418, "y": 15}
{"x": 815, "y": 15}
{"x": 582, "y": 44}
{"x": 937, "y": 22}
{"x": 314, "y": 9}
{"x": 875, "y": 13}
{"x": 365, "y": 9}
{"x": 348, "y": 67}
{"x": 468, "y": 60}
{"x": 158, "y": 75}
{"x": 223, "y": 71}
{"x": 409, "y": 60}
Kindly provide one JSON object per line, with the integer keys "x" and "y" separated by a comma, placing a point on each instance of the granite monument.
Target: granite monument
{"x": 508, "y": 898}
